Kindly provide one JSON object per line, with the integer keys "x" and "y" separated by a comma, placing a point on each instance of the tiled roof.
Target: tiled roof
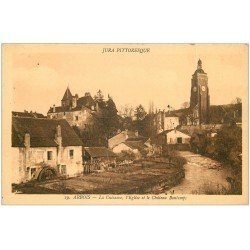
{"x": 165, "y": 132}
{"x": 135, "y": 145}
{"x": 28, "y": 114}
{"x": 86, "y": 101}
{"x": 67, "y": 95}
{"x": 64, "y": 109}
{"x": 96, "y": 152}
{"x": 42, "y": 132}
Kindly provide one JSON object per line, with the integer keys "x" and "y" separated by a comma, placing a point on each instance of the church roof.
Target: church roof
{"x": 67, "y": 95}
{"x": 200, "y": 71}
{"x": 199, "y": 68}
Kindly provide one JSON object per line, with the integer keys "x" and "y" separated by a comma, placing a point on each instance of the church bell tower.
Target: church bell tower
{"x": 199, "y": 99}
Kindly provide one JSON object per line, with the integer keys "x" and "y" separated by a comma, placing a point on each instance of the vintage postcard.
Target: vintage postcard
{"x": 125, "y": 124}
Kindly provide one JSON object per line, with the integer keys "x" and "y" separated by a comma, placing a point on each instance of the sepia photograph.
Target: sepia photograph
{"x": 125, "y": 123}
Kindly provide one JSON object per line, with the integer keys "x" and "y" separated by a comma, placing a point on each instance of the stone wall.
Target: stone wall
{"x": 24, "y": 163}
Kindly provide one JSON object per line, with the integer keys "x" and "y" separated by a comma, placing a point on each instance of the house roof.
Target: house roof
{"x": 28, "y": 114}
{"x": 86, "y": 101}
{"x": 42, "y": 132}
{"x": 165, "y": 132}
{"x": 135, "y": 145}
{"x": 67, "y": 95}
{"x": 96, "y": 152}
{"x": 64, "y": 109}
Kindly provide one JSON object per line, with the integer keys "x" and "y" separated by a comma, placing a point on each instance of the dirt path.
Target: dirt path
{"x": 202, "y": 175}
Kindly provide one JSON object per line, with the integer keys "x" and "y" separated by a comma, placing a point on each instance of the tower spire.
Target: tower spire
{"x": 199, "y": 64}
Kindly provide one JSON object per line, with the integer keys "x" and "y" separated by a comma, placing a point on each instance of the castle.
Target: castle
{"x": 77, "y": 111}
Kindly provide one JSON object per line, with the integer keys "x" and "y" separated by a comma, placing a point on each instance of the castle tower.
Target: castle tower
{"x": 199, "y": 99}
{"x": 67, "y": 98}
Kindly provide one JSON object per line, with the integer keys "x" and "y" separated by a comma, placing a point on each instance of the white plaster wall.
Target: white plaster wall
{"x": 73, "y": 166}
{"x": 173, "y": 135}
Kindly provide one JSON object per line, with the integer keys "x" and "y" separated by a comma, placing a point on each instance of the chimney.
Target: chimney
{"x": 54, "y": 108}
{"x": 27, "y": 140}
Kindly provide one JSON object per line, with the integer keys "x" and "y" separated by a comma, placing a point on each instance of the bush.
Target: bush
{"x": 126, "y": 155}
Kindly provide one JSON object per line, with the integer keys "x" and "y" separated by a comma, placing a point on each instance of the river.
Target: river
{"x": 202, "y": 175}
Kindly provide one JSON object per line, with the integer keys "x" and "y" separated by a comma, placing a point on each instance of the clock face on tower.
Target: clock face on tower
{"x": 203, "y": 88}
{"x": 194, "y": 89}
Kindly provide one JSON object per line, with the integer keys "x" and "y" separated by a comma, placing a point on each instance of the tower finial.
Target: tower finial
{"x": 199, "y": 64}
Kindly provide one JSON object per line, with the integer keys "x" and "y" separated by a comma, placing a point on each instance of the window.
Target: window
{"x": 32, "y": 171}
{"x": 71, "y": 153}
{"x": 76, "y": 117}
{"x": 179, "y": 139}
{"x": 49, "y": 155}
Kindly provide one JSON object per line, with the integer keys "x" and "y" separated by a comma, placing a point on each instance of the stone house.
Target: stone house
{"x": 173, "y": 136}
{"x": 38, "y": 142}
{"x": 123, "y": 136}
{"x": 136, "y": 147}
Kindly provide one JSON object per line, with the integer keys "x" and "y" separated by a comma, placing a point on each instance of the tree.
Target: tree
{"x": 185, "y": 105}
{"x": 127, "y": 123}
{"x": 112, "y": 121}
{"x": 151, "y": 107}
{"x": 140, "y": 113}
{"x": 237, "y": 100}
{"x": 229, "y": 144}
{"x": 126, "y": 111}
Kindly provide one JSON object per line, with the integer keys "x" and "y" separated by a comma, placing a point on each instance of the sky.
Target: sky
{"x": 40, "y": 73}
